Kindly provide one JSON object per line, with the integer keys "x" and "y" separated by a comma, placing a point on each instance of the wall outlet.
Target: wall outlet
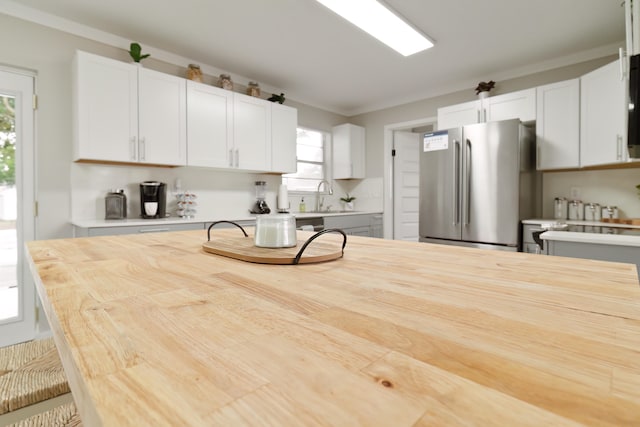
{"x": 575, "y": 193}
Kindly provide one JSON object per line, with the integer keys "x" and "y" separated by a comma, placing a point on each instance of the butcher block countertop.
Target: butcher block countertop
{"x": 153, "y": 331}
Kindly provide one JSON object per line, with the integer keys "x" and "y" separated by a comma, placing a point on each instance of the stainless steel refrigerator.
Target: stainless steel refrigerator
{"x": 477, "y": 183}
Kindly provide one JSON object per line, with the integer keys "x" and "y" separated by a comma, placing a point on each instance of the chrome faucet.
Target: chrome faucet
{"x": 320, "y": 200}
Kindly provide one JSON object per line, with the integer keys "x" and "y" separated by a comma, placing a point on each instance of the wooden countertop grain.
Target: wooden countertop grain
{"x": 154, "y": 331}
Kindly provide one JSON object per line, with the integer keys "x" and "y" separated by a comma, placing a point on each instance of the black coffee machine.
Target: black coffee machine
{"x": 153, "y": 199}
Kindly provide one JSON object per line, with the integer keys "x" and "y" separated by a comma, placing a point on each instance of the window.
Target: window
{"x": 312, "y": 163}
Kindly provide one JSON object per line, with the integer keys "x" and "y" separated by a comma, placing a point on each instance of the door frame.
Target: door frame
{"x": 389, "y": 199}
{"x": 25, "y": 327}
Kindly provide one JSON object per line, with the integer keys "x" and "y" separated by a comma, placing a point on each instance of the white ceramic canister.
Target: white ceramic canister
{"x": 576, "y": 210}
{"x": 275, "y": 231}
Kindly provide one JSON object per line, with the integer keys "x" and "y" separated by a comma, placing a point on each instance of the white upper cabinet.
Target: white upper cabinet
{"x": 454, "y": 116}
{"x": 125, "y": 113}
{"x": 558, "y": 125}
{"x": 284, "y": 122}
{"x": 348, "y": 151}
{"x": 515, "y": 105}
{"x": 252, "y": 133}
{"x": 162, "y": 118}
{"x": 602, "y": 116}
{"x": 209, "y": 126}
{"x": 105, "y": 102}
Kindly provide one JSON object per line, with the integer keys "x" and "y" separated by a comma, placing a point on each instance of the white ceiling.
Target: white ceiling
{"x": 315, "y": 57}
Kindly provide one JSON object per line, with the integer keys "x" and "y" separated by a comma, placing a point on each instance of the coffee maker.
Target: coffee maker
{"x": 153, "y": 199}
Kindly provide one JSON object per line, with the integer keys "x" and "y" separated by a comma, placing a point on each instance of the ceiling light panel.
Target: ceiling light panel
{"x": 380, "y": 22}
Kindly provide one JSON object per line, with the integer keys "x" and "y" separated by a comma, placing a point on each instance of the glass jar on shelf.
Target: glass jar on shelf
{"x": 194, "y": 73}
{"x": 225, "y": 82}
{"x": 253, "y": 89}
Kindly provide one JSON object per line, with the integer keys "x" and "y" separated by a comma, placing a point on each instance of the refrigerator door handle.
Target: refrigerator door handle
{"x": 467, "y": 216}
{"x": 456, "y": 182}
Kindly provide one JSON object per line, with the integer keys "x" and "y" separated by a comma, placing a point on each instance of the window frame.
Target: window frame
{"x": 327, "y": 163}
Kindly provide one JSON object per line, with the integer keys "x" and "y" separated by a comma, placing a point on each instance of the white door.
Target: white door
{"x": 406, "y": 179}
{"x": 17, "y": 221}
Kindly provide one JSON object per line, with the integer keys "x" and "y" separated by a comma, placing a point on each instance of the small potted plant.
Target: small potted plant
{"x": 135, "y": 51}
{"x": 347, "y": 202}
{"x": 483, "y": 88}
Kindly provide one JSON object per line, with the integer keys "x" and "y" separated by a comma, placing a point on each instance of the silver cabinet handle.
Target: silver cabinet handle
{"x": 230, "y": 158}
{"x": 538, "y": 150}
{"x": 153, "y": 230}
{"x": 623, "y": 71}
{"x": 478, "y": 116}
{"x": 467, "y": 219}
{"x": 133, "y": 147}
{"x": 456, "y": 181}
{"x": 237, "y": 157}
{"x": 143, "y": 149}
{"x": 619, "y": 147}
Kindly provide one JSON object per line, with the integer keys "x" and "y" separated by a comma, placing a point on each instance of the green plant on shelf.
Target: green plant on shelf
{"x": 347, "y": 198}
{"x": 136, "y": 52}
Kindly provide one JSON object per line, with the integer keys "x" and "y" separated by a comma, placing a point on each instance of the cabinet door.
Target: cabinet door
{"x": 515, "y": 105}
{"x": 252, "y": 133}
{"x": 162, "y": 129}
{"x": 105, "y": 109}
{"x": 284, "y": 122}
{"x": 602, "y": 116}
{"x": 558, "y": 125}
{"x": 348, "y": 151}
{"x": 209, "y": 125}
{"x": 459, "y": 115}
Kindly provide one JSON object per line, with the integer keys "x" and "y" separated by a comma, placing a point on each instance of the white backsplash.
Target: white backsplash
{"x": 615, "y": 187}
{"x": 221, "y": 194}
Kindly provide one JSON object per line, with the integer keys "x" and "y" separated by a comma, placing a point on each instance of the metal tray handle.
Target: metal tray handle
{"x": 227, "y": 222}
{"x": 296, "y": 260}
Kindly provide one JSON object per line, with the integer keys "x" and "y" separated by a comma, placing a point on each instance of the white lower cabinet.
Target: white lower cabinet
{"x": 368, "y": 225}
{"x": 597, "y": 251}
{"x": 558, "y": 125}
{"x": 602, "y": 116}
{"x": 135, "y": 229}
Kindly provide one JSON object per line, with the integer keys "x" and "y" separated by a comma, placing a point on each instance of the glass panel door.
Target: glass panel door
{"x": 17, "y": 224}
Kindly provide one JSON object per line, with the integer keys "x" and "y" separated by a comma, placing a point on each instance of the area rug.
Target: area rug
{"x": 30, "y": 372}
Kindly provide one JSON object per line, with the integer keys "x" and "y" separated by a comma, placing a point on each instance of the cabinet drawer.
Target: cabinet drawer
{"x": 155, "y": 228}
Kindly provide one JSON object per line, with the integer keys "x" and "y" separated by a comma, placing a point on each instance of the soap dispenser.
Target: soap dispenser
{"x": 303, "y": 206}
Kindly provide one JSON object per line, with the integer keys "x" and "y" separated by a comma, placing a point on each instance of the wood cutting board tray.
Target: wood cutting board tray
{"x": 630, "y": 221}
{"x": 243, "y": 248}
